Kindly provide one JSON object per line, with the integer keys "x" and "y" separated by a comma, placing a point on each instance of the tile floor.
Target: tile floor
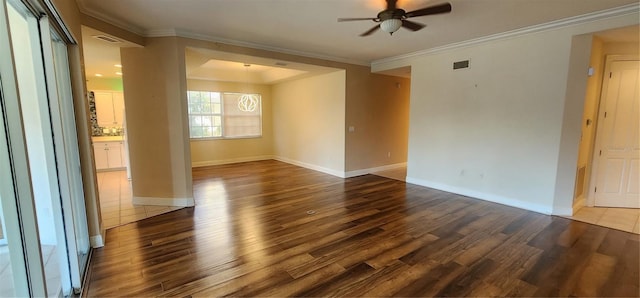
{"x": 624, "y": 219}
{"x": 116, "y": 203}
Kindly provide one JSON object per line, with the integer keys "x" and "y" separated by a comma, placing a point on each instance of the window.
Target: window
{"x": 224, "y": 115}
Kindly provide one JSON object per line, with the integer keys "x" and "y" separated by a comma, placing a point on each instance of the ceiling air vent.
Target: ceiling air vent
{"x": 107, "y": 38}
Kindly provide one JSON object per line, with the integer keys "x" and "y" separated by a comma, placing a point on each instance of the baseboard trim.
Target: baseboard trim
{"x": 361, "y": 172}
{"x": 310, "y": 166}
{"x": 563, "y": 211}
{"x": 230, "y": 161}
{"x": 482, "y": 196}
{"x": 174, "y": 202}
{"x": 96, "y": 241}
{"x": 338, "y": 173}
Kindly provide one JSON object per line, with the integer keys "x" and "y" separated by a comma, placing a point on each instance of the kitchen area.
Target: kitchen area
{"x": 108, "y": 130}
{"x": 106, "y": 99}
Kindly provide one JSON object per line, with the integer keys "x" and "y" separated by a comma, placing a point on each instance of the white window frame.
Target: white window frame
{"x": 222, "y": 116}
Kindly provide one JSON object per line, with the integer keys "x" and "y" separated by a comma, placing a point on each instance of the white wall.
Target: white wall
{"x": 507, "y": 128}
{"x": 308, "y": 122}
{"x": 490, "y": 128}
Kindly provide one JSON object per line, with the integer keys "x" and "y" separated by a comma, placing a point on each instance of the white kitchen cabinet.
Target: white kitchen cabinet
{"x": 118, "y": 108}
{"x": 109, "y": 155}
{"x": 100, "y": 156}
{"x": 109, "y": 108}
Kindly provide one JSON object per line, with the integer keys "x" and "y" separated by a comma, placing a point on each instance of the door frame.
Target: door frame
{"x": 598, "y": 131}
{"x": 27, "y": 250}
{"x": 21, "y": 219}
{"x": 65, "y": 142}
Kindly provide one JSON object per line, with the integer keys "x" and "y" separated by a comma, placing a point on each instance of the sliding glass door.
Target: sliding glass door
{"x": 43, "y": 213}
{"x": 67, "y": 152}
{"x": 38, "y": 133}
{"x": 13, "y": 270}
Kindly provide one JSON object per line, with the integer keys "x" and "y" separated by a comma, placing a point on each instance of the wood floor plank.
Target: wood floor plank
{"x": 250, "y": 235}
{"x": 376, "y": 279}
{"x": 432, "y": 281}
{"x": 343, "y": 280}
{"x": 597, "y": 272}
{"x": 469, "y": 279}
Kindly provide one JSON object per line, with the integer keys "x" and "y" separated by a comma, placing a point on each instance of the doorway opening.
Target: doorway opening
{"x": 606, "y": 190}
{"x": 106, "y": 95}
{"x": 305, "y": 115}
{"x": 399, "y": 108}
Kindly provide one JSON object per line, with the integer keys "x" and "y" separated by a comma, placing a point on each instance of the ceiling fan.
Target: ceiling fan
{"x": 392, "y": 18}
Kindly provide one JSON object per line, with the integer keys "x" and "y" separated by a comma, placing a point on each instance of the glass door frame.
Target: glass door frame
{"x": 9, "y": 193}
{"x": 65, "y": 137}
{"x": 28, "y": 251}
{"x": 18, "y": 203}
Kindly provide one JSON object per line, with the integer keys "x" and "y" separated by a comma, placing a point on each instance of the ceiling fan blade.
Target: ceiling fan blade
{"x": 442, "y": 8}
{"x": 356, "y": 19}
{"x": 374, "y": 29}
{"x": 391, "y": 4}
{"x": 413, "y": 26}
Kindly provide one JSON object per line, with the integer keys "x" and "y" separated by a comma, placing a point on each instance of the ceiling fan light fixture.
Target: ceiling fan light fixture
{"x": 391, "y": 25}
{"x": 392, "y": 18}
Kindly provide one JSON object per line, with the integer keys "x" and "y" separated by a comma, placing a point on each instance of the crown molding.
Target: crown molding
{"x": 633, "y": 8}
{"x": 188, "y": 34}
{"x": 107, "y": 19}
{"x": 198, "y": 36}
{"x": 628, "y": 9}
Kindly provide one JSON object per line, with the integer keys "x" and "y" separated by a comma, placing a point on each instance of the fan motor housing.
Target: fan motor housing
{"x": 391, "y": 14}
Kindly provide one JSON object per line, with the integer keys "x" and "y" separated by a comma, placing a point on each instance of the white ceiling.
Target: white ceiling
{"x": 211, "y": 65}
{"x": 100, "y": 56}
{"x": 309, "y": 27}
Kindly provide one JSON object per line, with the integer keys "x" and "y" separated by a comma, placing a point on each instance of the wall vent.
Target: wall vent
{"x": 106, "y": 38}
{"x": 461, "y": 64}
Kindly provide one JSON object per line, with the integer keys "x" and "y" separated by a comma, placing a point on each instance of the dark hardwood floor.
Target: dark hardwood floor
{"x": 251, "y": 234}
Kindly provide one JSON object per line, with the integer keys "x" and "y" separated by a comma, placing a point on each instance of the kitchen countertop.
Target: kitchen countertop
{"x": 107, "y": 139}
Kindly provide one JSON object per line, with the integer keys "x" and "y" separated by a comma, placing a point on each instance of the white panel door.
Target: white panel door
{"x": 618, "y": 145}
